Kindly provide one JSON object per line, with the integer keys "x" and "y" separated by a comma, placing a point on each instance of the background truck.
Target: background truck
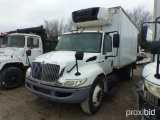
{"x": 149, "y": 97}
{"x": 143, "y": 57}
{"x": 86, "y": 61}
{"x": 13, "y": 59}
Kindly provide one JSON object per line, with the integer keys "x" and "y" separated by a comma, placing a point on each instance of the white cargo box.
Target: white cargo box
{"x": 127, "y": 52}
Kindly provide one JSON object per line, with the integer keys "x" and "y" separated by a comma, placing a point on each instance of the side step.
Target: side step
{"x": 112, "y": 91}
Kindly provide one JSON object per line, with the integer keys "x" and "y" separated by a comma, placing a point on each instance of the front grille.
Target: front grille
{"x": 36, "y": 70}
{"x": 150, "y": 97}
{"x": 150, "y": 103}
{"x": 45, "y": 72}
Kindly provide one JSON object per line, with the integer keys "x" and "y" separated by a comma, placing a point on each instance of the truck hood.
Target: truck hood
{"x": 149, "y": 71}
{"x": 64, "y": 58}
{"x": 8, "y": 51}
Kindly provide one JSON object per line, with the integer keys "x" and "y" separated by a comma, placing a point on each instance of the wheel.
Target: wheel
{"x": 94, "y": 101}
{"x": 11, "y": 78}
{"x": 128, "y": 72}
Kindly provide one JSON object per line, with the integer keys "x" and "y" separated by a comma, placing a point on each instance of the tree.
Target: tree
{"x": 139, "y": 15}
{"x": 55, "y": 28}
{"x": 68, "y": 27}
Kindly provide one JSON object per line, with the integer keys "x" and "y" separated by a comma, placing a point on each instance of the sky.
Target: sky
{"x": 17, "y": 14}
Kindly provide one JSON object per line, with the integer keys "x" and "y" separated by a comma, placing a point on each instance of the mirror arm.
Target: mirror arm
{"x": 71, "y": 69}
{"x": 112, "y": 55}
{"x": 77, "y": 73}
{"x": 111, "y": 32}
{"x": 28, "y": 60}
{"x": 155, "y": 22}
{"x": 157, "y": 75}
{"x": 156, "y": 26}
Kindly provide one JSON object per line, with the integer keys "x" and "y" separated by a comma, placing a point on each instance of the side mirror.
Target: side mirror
{"x": 116, "y": 40}
{"x": 28, "y": 52}
{"x": 143, "y": 36}
{"x": 155, "y": 47}
{"x": 79, "y": 55}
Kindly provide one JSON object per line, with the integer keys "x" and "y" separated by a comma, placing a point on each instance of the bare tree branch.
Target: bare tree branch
{"x": 139, "y": 15}
{"x": 55, "y": 28}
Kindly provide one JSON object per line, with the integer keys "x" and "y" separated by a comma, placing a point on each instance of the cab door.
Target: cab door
{"x": 107, "y": 63}
{"x": 34, "y": 44}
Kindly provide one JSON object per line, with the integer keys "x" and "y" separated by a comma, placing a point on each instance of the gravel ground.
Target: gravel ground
{"x": 19, "y": 104}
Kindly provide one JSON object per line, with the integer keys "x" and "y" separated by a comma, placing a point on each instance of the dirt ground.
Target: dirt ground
{"x": 19, "y": 104}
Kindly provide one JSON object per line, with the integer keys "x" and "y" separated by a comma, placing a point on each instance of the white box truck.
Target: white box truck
{"x": 87, "y": 60}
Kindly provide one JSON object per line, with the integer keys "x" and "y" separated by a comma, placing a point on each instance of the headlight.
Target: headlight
{"x": 153, "y": 88}
{"x": 74, "y": 83}
{"x": 28, "y": 72}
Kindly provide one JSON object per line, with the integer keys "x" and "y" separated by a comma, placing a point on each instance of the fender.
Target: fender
{"x": 90, "y": 71}
{"x": 10, "y": 61}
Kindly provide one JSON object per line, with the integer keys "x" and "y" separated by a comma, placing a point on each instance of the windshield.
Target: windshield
{"x": 15, "y": 41}
{"x": 86, "y": 42}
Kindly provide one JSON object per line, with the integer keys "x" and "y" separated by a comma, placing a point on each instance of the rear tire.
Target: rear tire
{"x": 94, "y": 101}
{"x": 11, "y": 78}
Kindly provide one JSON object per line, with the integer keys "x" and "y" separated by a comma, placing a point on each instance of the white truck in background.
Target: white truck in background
{"x": 149, "y": 97}
{"x": 87, "y": 60}
{"x": 143, "y": 57}
{"x": 13, "y": 59}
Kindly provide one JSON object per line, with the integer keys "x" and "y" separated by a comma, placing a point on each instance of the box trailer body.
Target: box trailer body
{"x": 86, "y": 60}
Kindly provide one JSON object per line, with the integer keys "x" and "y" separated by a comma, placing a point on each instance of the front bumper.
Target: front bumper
{"x": 149, "y": 102}
{"x": 64, "y": 95}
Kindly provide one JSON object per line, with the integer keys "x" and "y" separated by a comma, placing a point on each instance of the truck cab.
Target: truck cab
{"x": 59, "y": 76}
{"x": 22, "y": 46}
{"x": 13, "y": 58}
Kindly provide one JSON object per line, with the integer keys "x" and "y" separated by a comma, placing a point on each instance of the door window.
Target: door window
{"x": 107, "y": 44}
{"x": 32, "y": 42}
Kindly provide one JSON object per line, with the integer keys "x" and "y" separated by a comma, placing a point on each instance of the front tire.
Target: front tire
{"x": 11, "y": 78}
{"x": 94, "y": 101}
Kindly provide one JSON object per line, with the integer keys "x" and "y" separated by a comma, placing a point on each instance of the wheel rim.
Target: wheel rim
{"x": 12, "y": 79}
{"x": 97, "y": 95}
